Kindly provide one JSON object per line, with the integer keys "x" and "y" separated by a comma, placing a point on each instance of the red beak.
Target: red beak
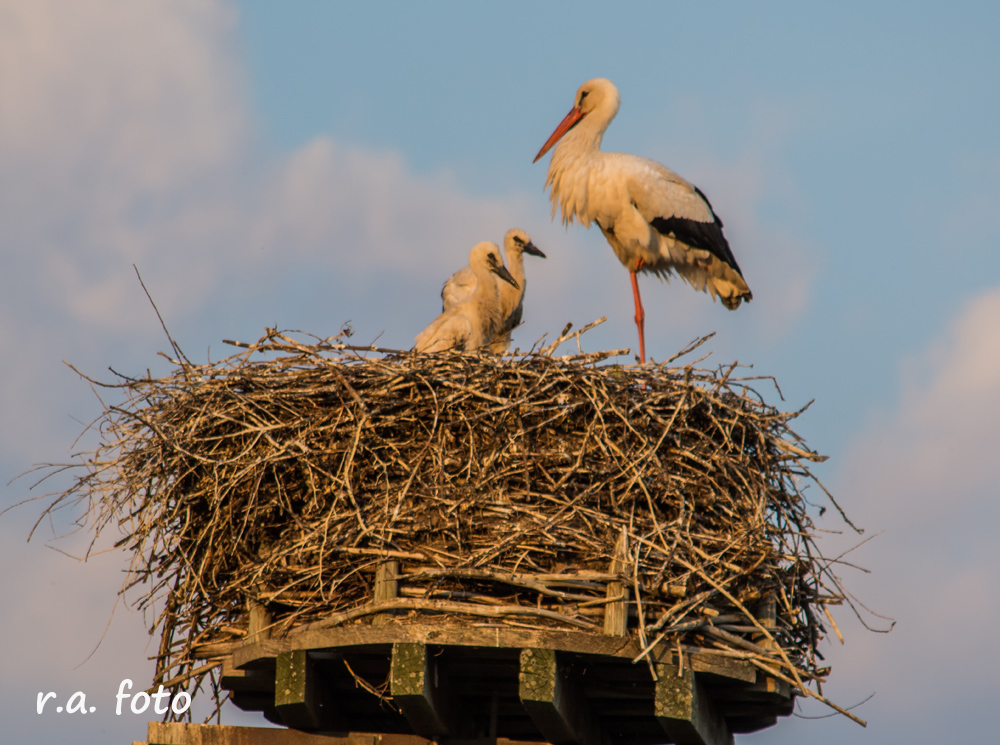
{"x": 565, "y": 126}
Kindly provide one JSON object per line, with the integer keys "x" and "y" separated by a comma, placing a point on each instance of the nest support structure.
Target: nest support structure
{"x": 305, "y": 487}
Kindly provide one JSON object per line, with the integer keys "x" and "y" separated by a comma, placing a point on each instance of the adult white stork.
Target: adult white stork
{"x": 654, "y": 220}
{"x": 474, "y": 321}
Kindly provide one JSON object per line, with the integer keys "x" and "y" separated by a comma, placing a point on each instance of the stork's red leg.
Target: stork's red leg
{"x": 640, "y": 314}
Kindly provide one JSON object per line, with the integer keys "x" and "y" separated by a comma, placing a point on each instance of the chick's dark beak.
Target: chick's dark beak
{"x": 506, "y": 276}
{"x": 531, "y": 248}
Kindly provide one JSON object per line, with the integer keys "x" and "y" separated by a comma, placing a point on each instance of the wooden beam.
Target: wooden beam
{"x": 766, "y": 698}
{"x": 766, "y": 689}
{"x": 256, "y": 680}
{"x": 767, "y": 616}
{"x": 386, "y": 588}
{"x": 259, "y": 621}
{"x": 419, "y": 690}
{"x": 684, "y": 710}
{"x": 554, "y": 701}
{"x": 182, "y": 733}
{"x": 616, "y": 613}
{"x": 299, "y": 694}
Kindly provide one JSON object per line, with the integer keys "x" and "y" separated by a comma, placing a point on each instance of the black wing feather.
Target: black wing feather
{"x": 704, "y": 235}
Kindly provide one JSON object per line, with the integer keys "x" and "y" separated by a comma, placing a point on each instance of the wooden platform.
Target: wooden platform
{"x": 177, "y": 733}
{"x": 488, "y": 684}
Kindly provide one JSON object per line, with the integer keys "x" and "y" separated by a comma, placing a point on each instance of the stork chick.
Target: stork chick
{"x": 473, "y": 322}
{"x": 515, "y": 244}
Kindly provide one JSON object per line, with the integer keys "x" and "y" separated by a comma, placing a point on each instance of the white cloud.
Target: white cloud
{"x": 366, "y": 211}
{"x": 111, "y": 88}
{"x": 111, "y": 111}
{"x": 126, "y": 138}
{"x": 925, "y": 473}
{"x": 939, "y": 446}
{"x": 128, "y": 127}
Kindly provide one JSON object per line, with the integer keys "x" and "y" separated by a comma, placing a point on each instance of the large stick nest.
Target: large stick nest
{"x": 284, "y": 475}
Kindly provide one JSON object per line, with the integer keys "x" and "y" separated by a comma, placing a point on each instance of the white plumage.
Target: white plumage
{"x": 462, "y": 284}
{"x": 473, "y": 320}
{"x": 516, "y": 243}
{"x": 654, "y": 220}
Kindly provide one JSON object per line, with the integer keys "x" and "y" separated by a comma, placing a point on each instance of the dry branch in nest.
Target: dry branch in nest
{"x": 284, "y": 475}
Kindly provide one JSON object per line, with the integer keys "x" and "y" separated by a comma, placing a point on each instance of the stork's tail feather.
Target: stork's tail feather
{"x": 733, "y": 301}
{"x": 732, "y": 292}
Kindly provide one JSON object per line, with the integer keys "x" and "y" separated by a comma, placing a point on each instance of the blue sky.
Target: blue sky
{"x": 303, "y": 165}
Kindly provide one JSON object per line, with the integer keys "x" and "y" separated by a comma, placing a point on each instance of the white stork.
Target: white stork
{"x": 654, "y": 220}
{"x": 462, "y": 283}
{"x": 516, "y": 243}
{"x": 474, "y": 321}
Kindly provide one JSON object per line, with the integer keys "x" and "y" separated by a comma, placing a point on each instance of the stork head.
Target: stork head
{"x": 598, "y": 97}
{"x": 518, "y": 241}
{"x": 486, "y": 255}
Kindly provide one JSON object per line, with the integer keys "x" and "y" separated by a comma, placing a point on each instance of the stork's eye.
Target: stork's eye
{"x": 518, "y": 241}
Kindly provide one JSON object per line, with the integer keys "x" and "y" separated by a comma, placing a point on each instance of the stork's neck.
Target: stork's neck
{"x": 583, "y": 141}
{"x": 487, "y": 298}
{"x": 509, "y": 295}
{"x": 575, "y": 156}
{"x": 515, "y": 265}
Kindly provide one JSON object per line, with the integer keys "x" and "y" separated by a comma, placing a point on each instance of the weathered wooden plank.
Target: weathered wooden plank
{"x": 716, "y": 667}
{"x": 616, "y": 613}
{"x": 684, "y": 710}
{"x": 765, "y": 688}
{"x": 554, "y": 701}
{"x": 234, "y": 679}
{"x": 767, "y": 616}
{"x": 180, "y": 733}
{"x": 419, "y": 690}
{"x": 258, "y": 623}
{"x": 386, "y": 588}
